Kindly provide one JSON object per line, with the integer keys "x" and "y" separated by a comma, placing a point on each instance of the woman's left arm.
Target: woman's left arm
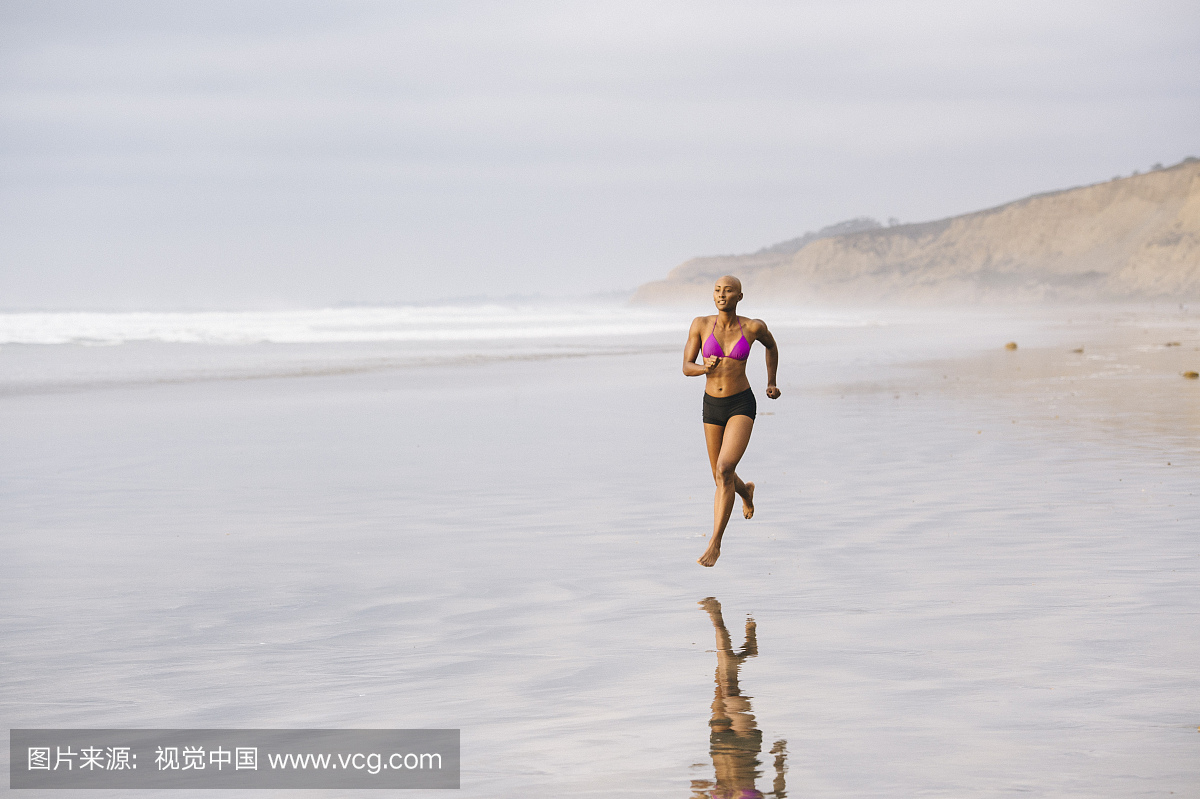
{"x": 762, "y": 334}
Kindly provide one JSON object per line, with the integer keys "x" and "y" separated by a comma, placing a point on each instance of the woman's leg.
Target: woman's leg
{"x": 726, "y": 445}
{"x": 713, "y": 435}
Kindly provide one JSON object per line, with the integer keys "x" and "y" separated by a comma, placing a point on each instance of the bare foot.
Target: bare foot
{"x": 748, "y": 501}
{"x": 711, "y": 554}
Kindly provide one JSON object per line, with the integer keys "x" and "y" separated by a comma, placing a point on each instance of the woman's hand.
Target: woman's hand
{"x": 773, "y": 392}
{"x": 710, "y": 363}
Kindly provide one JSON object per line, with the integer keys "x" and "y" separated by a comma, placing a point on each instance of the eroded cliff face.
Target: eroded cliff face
{"x": 1135, "y": 238}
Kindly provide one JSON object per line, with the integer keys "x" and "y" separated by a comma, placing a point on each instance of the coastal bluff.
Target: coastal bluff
{"x": 1128, "y": 239}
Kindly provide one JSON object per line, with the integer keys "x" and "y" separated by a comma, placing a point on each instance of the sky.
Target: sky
{"x": 168, "y": 155}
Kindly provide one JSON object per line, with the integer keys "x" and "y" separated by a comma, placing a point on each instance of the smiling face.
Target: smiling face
{"x": 727, "y": 293}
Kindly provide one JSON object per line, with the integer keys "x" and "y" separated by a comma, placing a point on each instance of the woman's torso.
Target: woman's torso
{"x": 729, "y": 377}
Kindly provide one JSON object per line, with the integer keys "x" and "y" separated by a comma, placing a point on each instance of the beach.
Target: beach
{"x": 972, "y": 570}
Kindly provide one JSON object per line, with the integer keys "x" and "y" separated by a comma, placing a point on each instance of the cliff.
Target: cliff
{"x": 1135, "y": 238}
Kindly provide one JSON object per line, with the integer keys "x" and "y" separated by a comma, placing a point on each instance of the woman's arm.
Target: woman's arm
{"x": 762, "y": 334}
{"x": 692, "y": 349}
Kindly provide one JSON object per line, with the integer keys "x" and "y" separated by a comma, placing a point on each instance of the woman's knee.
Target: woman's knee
{"x": 724, "y": 472}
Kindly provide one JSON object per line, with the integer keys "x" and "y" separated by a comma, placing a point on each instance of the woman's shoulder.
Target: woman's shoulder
{"x": 755, "y": 326}
{"x": 701, "y": 321}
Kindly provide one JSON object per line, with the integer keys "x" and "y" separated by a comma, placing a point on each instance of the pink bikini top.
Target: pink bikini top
{"x": 740, "y": 351}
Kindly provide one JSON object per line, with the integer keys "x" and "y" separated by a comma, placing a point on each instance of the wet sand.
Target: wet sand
{"x": 972, "y": 571}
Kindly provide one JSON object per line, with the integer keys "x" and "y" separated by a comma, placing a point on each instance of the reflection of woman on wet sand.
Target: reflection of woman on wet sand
{"x": 735, "y": 740}
{"x": 729, "y": 408}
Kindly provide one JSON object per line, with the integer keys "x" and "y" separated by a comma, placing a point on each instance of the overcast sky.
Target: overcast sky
{"x": 279, "y": 154}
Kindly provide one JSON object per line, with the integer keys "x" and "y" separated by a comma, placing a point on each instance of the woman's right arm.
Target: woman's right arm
{"x": 692, "y": 349}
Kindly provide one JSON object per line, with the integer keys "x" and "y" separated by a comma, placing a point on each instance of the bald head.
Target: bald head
{"x": 729, "y": 280}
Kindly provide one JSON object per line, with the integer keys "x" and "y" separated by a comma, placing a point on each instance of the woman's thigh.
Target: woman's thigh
{"x": 713, "y": 436}
{"x": 734, "y": 441}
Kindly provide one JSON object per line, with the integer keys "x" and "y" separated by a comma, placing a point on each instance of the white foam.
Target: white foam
{"x": 362, "y": 325}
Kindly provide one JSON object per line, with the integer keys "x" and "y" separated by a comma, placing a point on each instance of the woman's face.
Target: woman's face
{"x": 727, "y": 293}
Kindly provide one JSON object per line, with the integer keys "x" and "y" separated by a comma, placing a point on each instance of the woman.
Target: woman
{"x": 729, "y": 406}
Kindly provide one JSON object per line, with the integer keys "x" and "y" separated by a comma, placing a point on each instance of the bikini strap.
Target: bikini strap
{"x": 718, "y": 317}
{"x": 713, "y": 333}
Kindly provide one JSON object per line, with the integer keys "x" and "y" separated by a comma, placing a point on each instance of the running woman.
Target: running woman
{"x": 729, "y": 408}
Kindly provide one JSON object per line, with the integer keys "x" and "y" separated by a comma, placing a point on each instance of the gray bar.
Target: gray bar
{"x": 129, "y": 759}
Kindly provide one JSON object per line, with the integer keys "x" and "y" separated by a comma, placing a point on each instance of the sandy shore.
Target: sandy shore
{"x": 1120, "y": 376}
{"x": 972, "y": 570}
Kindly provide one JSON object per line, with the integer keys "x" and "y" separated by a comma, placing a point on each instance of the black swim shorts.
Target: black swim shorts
{"x": 717, "y": 410}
